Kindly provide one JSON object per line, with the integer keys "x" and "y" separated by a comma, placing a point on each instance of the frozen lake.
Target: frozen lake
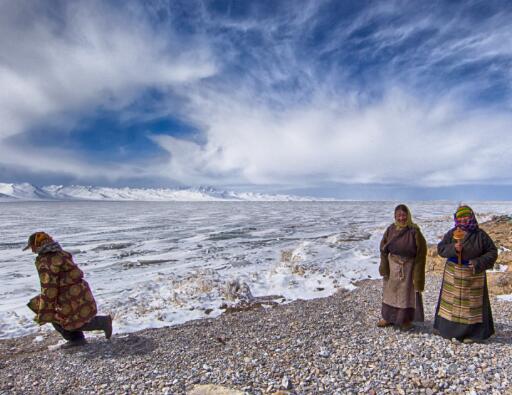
{"x": 162, "y": 263}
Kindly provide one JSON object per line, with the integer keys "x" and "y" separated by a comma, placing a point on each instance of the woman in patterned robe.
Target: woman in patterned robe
{"x": 464, "y": 311}
{"x": 403, "y": 254}
{"x": 66, "y": 300}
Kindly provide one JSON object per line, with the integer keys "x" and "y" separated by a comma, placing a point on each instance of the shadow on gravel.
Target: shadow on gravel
{"x": 503, "y": 334}
{"x": 423, "y": 327}
{"x": 118, "y": 347}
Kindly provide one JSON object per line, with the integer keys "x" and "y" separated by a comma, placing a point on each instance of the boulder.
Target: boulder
{"x": 499, "y": 283}
{"x": 505, "y": 259}
{"x": 235, "y": 290}
{"x": 240, "y": 298}
{"x": 500, "y": 230}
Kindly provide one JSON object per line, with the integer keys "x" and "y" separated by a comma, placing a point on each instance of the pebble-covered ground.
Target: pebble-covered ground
{"x": 328, "y": 345}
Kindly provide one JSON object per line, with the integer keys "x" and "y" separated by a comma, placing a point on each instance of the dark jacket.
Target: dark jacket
{"x": 408, "y": 242}
{"x": 477, "y": 247}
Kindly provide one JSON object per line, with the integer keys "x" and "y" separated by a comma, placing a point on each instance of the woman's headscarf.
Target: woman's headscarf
{"x": 409, "y": 223}
{"x": 464, "y": 212}
{"x": 42, "y": 242}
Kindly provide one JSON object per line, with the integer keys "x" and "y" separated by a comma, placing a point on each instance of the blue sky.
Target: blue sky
{"x": 365, "y": 99}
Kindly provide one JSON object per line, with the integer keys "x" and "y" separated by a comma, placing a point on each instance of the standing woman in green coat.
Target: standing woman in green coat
{"x": 403, "y": 252}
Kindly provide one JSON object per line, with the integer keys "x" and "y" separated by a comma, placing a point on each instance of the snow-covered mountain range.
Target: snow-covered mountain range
{"x": 28, "y": 192}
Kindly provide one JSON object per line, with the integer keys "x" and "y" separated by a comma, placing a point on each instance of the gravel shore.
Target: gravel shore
{"x": 329, "y": 345}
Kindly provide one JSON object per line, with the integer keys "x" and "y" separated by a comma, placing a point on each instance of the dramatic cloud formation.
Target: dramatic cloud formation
{"x": 398, "y": 140}
{"x": 62, "y": 62}
{"x": 263, "y": 93}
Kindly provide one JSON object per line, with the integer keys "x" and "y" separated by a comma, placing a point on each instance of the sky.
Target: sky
{"x": 352, "y": 99}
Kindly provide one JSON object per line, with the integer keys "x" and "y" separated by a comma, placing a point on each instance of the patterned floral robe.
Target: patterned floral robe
{"x": 65, "y": 298}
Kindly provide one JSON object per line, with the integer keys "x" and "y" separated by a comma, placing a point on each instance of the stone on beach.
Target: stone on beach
{"x": 237, "y": 291}
{"x": 328, "y": 345}
{"x": 210, "y": 389}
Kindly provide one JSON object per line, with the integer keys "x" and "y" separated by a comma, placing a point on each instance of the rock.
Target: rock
{"x": 498, "y": 229}
{"x": 210, "y": 389}
{"x": 505, "y": 258}
{"x": 427, "y": 383}
{"x": 499, "y": 283}
{"x": 252, "y": 352}
{"x": 286, "y": 383}
{"x": 236, "y": 290}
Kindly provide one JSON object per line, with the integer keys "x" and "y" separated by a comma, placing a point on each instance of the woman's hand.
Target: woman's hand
{"x": 472, "y": 266}
{"x": 458, "y": 247}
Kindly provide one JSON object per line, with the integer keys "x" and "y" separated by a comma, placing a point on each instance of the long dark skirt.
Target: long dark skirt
{"x": 398, "y": 316}
{"x": 480, "y": 331}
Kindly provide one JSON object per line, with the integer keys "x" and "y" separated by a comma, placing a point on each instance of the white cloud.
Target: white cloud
{"x": 400, "y": 139}
{"x": 329, "y": 130}
{"x": 92, "y": 57}
{"x": 285, "y": 117}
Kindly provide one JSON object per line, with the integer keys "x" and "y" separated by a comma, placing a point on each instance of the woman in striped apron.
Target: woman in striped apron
{"x": 464, "y": 311}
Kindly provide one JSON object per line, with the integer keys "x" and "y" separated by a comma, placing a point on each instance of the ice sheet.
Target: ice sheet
{"x": 161, "y": 263}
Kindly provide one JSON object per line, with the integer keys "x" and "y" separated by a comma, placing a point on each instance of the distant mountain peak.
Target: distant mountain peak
{"x": 28, "y": 192}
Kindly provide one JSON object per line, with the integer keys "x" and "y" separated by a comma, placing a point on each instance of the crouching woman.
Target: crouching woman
{"x": 66, "y": 300}
{"x": 403, "y": 252}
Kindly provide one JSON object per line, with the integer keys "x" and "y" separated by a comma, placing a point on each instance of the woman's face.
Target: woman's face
{"x": 401, "y": 217}
{"x": 464, "y": 220}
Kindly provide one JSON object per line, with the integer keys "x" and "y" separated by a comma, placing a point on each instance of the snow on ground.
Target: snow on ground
{"x": 162, "y": 263}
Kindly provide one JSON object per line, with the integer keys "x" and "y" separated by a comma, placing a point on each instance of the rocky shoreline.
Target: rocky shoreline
{"x": 329, "y": 345}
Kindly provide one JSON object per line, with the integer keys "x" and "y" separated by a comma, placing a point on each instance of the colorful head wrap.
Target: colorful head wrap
{"x": 465, "y": 212}
{"x": 38, "y": 240}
